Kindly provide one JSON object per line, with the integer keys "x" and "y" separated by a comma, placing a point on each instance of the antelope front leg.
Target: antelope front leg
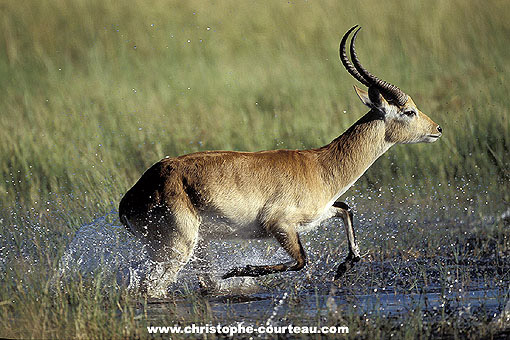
{"x": 345, "y": 213}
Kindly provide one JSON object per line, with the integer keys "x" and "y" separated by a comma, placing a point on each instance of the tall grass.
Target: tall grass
{"x": 93, "y": 92}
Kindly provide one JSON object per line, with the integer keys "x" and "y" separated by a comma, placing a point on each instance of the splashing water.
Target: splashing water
{"x": 104, "y": 247}
{"x": 101, "y": 246}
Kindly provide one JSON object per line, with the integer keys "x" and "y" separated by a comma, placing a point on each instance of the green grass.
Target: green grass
{"x": 83, "y": 109}
{"x": 93, "y": 92}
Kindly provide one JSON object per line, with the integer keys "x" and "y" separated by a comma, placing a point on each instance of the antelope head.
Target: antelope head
{"x": 404, "y": 122}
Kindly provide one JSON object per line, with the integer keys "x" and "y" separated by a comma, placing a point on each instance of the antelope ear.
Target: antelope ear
{"x": 373, "y": 99}
{"x": 363, "y": 96}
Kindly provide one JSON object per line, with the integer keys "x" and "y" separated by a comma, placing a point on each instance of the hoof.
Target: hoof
{"x": 346, "y": 265}
{"x": 246, "y": 271}
{"x": 232, "y": 273}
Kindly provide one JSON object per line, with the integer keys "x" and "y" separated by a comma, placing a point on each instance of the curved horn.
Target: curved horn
{"x": 388, "y": 90}
{"x": 345, "y": 61}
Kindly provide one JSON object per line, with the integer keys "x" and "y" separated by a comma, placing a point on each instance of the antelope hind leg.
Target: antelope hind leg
{"x": 206, "y": 280}
{"x": 170, "y": 252}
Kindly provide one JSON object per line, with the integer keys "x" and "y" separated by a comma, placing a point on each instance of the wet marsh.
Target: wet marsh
{"x": 420, "y": 275}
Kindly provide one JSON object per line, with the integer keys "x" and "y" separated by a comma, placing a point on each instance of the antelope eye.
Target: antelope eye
{"x": 410, "y": 113}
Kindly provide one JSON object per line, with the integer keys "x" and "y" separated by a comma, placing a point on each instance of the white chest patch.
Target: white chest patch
{"x": 328, "y": 211}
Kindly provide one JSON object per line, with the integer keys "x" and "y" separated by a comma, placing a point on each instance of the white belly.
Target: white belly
{"x": 307, "y": 226}
{"x": 244, "y": 223}
{"x": 215, "y": 226}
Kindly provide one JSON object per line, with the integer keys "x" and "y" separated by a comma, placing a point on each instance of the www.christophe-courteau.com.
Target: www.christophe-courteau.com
{"x": 241, "y": 329}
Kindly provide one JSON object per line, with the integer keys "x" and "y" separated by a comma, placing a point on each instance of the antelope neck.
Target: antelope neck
{"x": 347, "y": 157}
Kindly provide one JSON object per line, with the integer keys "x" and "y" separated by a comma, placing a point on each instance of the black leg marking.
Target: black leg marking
{"x": 345, "y": 213}
{"x": 291, "y": 243}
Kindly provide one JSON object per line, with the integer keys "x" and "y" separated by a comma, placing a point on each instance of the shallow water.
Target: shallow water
{"x": 388, "y": 305}
{"x": 104, "y": 245}
{"x": 421, "y": 256}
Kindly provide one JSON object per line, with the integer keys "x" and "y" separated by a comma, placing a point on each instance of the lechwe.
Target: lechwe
{"x": 278, "y": 193}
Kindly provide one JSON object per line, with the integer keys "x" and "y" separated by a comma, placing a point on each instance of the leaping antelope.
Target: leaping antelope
{"x": 277, "y": 193}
